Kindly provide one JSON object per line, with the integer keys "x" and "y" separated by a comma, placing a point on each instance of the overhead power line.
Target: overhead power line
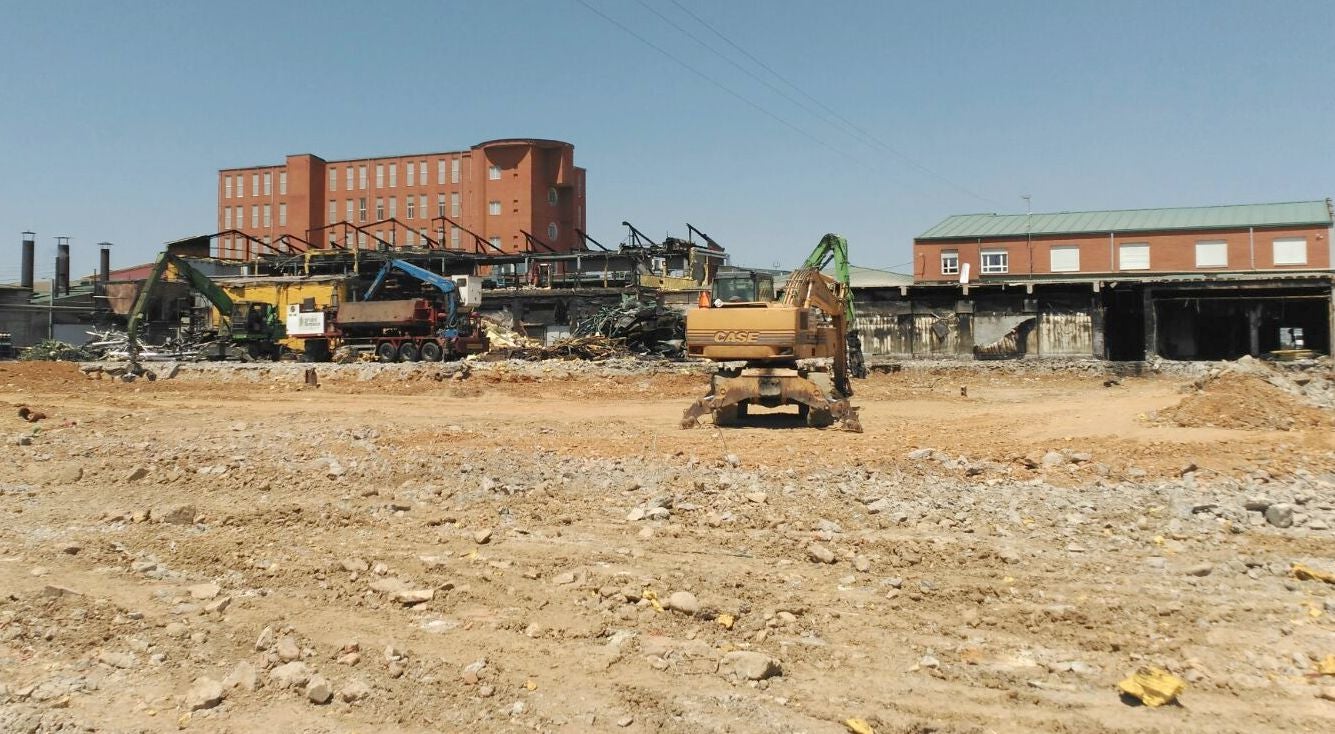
{"x": 859, "y": 132}
{"x": 720, "y": 85}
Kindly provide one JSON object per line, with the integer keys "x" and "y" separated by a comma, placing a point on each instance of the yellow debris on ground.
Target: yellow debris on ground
{"x": 726, "y": 621}
{"x": 1326, "y": 666}
{"x": 1153, "y": 686}
{"x": 858, "y": 726}
{"x": 1305, "y": 573}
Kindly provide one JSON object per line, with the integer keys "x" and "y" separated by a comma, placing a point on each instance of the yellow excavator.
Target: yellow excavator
{"x": 800, "y": 350}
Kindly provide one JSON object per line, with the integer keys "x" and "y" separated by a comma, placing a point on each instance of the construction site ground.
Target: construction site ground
{"x": 541, "y": 548}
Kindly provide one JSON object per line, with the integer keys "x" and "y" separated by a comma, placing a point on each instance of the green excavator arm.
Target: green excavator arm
{"x": 197, "y": 280}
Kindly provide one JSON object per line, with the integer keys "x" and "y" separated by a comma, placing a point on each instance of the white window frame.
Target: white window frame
{"x": 410, "y": 210}
{"x": 1208, "y": 254}
{"x": 282, "y": 214}
{"x": 1073, "y": 266}
{"x": 380, "y": 175}
{"x": 994, "y": 269}
{"x": 440, "y": 172}
{"x": 393, "y": 207}
{"x": 333, "y": 211}
{"x": 1133, "y": 247}
{"x": 493, "y": 172}
{"x": 950, "y": 262}
{"x": 254, "y": 216}
{"x": 227, "y": 187}
{"x": 494, "y": 207}
{"x": 454, "y": 170}
{"x": 268, "y": 183}
{"x": 361, "y": 208}
{"x": 553, "y": 231}
{"x": 379, "y": 208}
{"x": 454, "y": 203}
{"x": 1288, "y": 243}
{"x": 440, "y": 205}
{"x": 421, "y": 206}
{"x": 394, "y": 175}
{"x": 454, "y": 236}
{"x": 282, "y": 183}
{"x": 254, "y": 184}
{"x": 268, "y": 216}
{"x": 227, "y": 217}
{"x": 361, "y": 177}
{"x": 351, "y": 178}
{"x": 333, "y": 180}
{"x": 496, "y": 242}
{"x": 411, "y": 173}
{"x": 553, "y": 196}
{"x": 352, "y": 209}
{"x": 421, "y": 174}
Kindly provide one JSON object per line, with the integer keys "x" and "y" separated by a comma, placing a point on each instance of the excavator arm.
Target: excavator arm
{"x": 197, "y": 280}
{"x": 443, "y": 284}
{"x": 833, "y": 249}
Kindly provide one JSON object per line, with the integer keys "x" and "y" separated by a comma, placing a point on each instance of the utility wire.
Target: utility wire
{"x": 747, "y": 100}
{"x": 868, "y": 138}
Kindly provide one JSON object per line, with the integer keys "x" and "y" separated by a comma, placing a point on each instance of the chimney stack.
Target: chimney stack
{"x": 29, "y": 255}
{"x": 61, "y": 283}
{"x": 104, "y": 263}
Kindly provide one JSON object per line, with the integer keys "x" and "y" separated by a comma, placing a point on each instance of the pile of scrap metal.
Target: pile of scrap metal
{"x": 644, "y": 327}
{"x": 115, "y": 345}
{"x": 589, "y": 348}
{"x": 53, "y": 350}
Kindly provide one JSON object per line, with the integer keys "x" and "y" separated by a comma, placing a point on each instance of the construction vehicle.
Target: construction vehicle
{"x": 246, "y": 330}
{"x": 799, "y": 351}
{"x": 443, "y": 327}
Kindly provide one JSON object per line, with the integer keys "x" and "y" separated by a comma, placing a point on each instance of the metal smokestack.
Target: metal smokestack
{"x": 29, "y": 262}
{"x": 61, "y": 283}
{"x": 104, "y": 262}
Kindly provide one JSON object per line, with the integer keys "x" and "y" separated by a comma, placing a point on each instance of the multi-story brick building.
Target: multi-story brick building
{"x": 1128, "y": 244}
{"x": 484, "y": 199}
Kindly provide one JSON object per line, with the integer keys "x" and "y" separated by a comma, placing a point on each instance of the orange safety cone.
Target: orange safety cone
{"x": 704, "y": 299}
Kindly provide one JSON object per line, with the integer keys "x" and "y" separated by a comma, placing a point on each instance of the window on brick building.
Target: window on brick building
{"x": 552, "y": 195}
{"x": 454, "y": 236}
{"x": 495, "y": 242}
{"x": 454, "y": 204}
{"x": 950, "y": 262}
{"x": 349, "y": 210}
{"x": 552, "y": 231}
{"x": 254, "y": 216}
{"x": 361, "y": 177}
{"x": 493, "y": 207}
{"x": 361, "y": 209}
{"x": 411, "y": 210}
{"x": 349, "y": 179}
{"x": 393, "y": 207}
{"x": 361, "y": 240}
{"x": 995, "y": 261}
{"x": 227, "y": 187}
{"x": 333, "y": 211}
{"x": 412, "y": 173}
{"x": 333, "y": 180}
{"x": 268, "y": 216}
{"x": 394, "y": 175}
{"x": 421, "y": 174}
{"x": 282, "y": 215}
{"x": 240, "y": 216}
{"x": 454, "y": 170}
{"x": 282, "y": 183}
{"x": 1133, "y": 256}
{"x": 379, "y": 209}
{"x": 1212, "y": 254}
{"x": 412, "y": 238}
{"x": 1290, "y": 251}
{"x": 227, "y": 217}
{"x": 440, "y": 205}
{"x": 440, "y": 172}
{"x": 1064, "y": 259}
{"x": 494, "y": 172}
{"x": 268, "y": 183}
{"x": 380, "y": 175}
{"x": 421, "y": 205}
{"x": 254, "y": 184}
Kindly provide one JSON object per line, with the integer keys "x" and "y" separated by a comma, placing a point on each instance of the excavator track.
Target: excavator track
{"x": 729, "y": 398}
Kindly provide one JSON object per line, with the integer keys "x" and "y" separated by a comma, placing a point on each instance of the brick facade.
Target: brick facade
{"x": 497, "y": 189}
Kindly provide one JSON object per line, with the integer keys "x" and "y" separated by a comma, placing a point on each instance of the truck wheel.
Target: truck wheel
{"x": 431, "y": 352}
{"x": 387, "y": 352}
{"x": 408, "y": 352}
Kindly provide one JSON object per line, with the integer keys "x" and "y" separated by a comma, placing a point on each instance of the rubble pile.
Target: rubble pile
{"x": 52, "y": 350}
{"x": 1254, "y": 395}
{"x": 644, "y": 327}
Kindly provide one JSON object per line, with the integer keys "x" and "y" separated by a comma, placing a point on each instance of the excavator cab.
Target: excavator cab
{"x": 743, "y": 286}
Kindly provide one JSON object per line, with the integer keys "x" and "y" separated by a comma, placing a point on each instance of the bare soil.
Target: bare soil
{"x": 1000, "y": 558}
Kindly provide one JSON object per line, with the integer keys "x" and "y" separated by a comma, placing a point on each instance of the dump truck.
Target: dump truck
{"x": 798, "y": 351}
{"x": 442, "y": 327}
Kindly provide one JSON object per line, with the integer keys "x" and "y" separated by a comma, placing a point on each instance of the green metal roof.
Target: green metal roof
{"x": 1132, "y": 220}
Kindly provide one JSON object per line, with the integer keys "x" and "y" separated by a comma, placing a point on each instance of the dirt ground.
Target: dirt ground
{"x": 535, "y": 549}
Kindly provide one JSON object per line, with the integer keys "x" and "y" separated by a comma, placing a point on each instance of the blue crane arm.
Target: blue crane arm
{"x": 443, "y": 284}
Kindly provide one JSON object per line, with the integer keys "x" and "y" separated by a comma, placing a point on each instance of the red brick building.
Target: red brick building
{"x": 1128, "y": 244}
{"x": 498, "y": 190}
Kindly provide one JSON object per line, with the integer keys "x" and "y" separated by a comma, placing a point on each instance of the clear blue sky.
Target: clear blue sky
{"x": 118, "y": 115}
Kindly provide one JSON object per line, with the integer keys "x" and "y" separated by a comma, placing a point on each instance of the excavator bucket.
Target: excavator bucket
{"x": 729, "y": 398}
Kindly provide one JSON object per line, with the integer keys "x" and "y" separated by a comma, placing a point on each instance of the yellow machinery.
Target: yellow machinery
{"x": 799, "y": 351}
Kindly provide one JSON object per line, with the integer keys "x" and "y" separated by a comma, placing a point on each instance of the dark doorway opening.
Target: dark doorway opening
{"x": 1210, "y": 326}
{"x": 1124, "y": 322}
